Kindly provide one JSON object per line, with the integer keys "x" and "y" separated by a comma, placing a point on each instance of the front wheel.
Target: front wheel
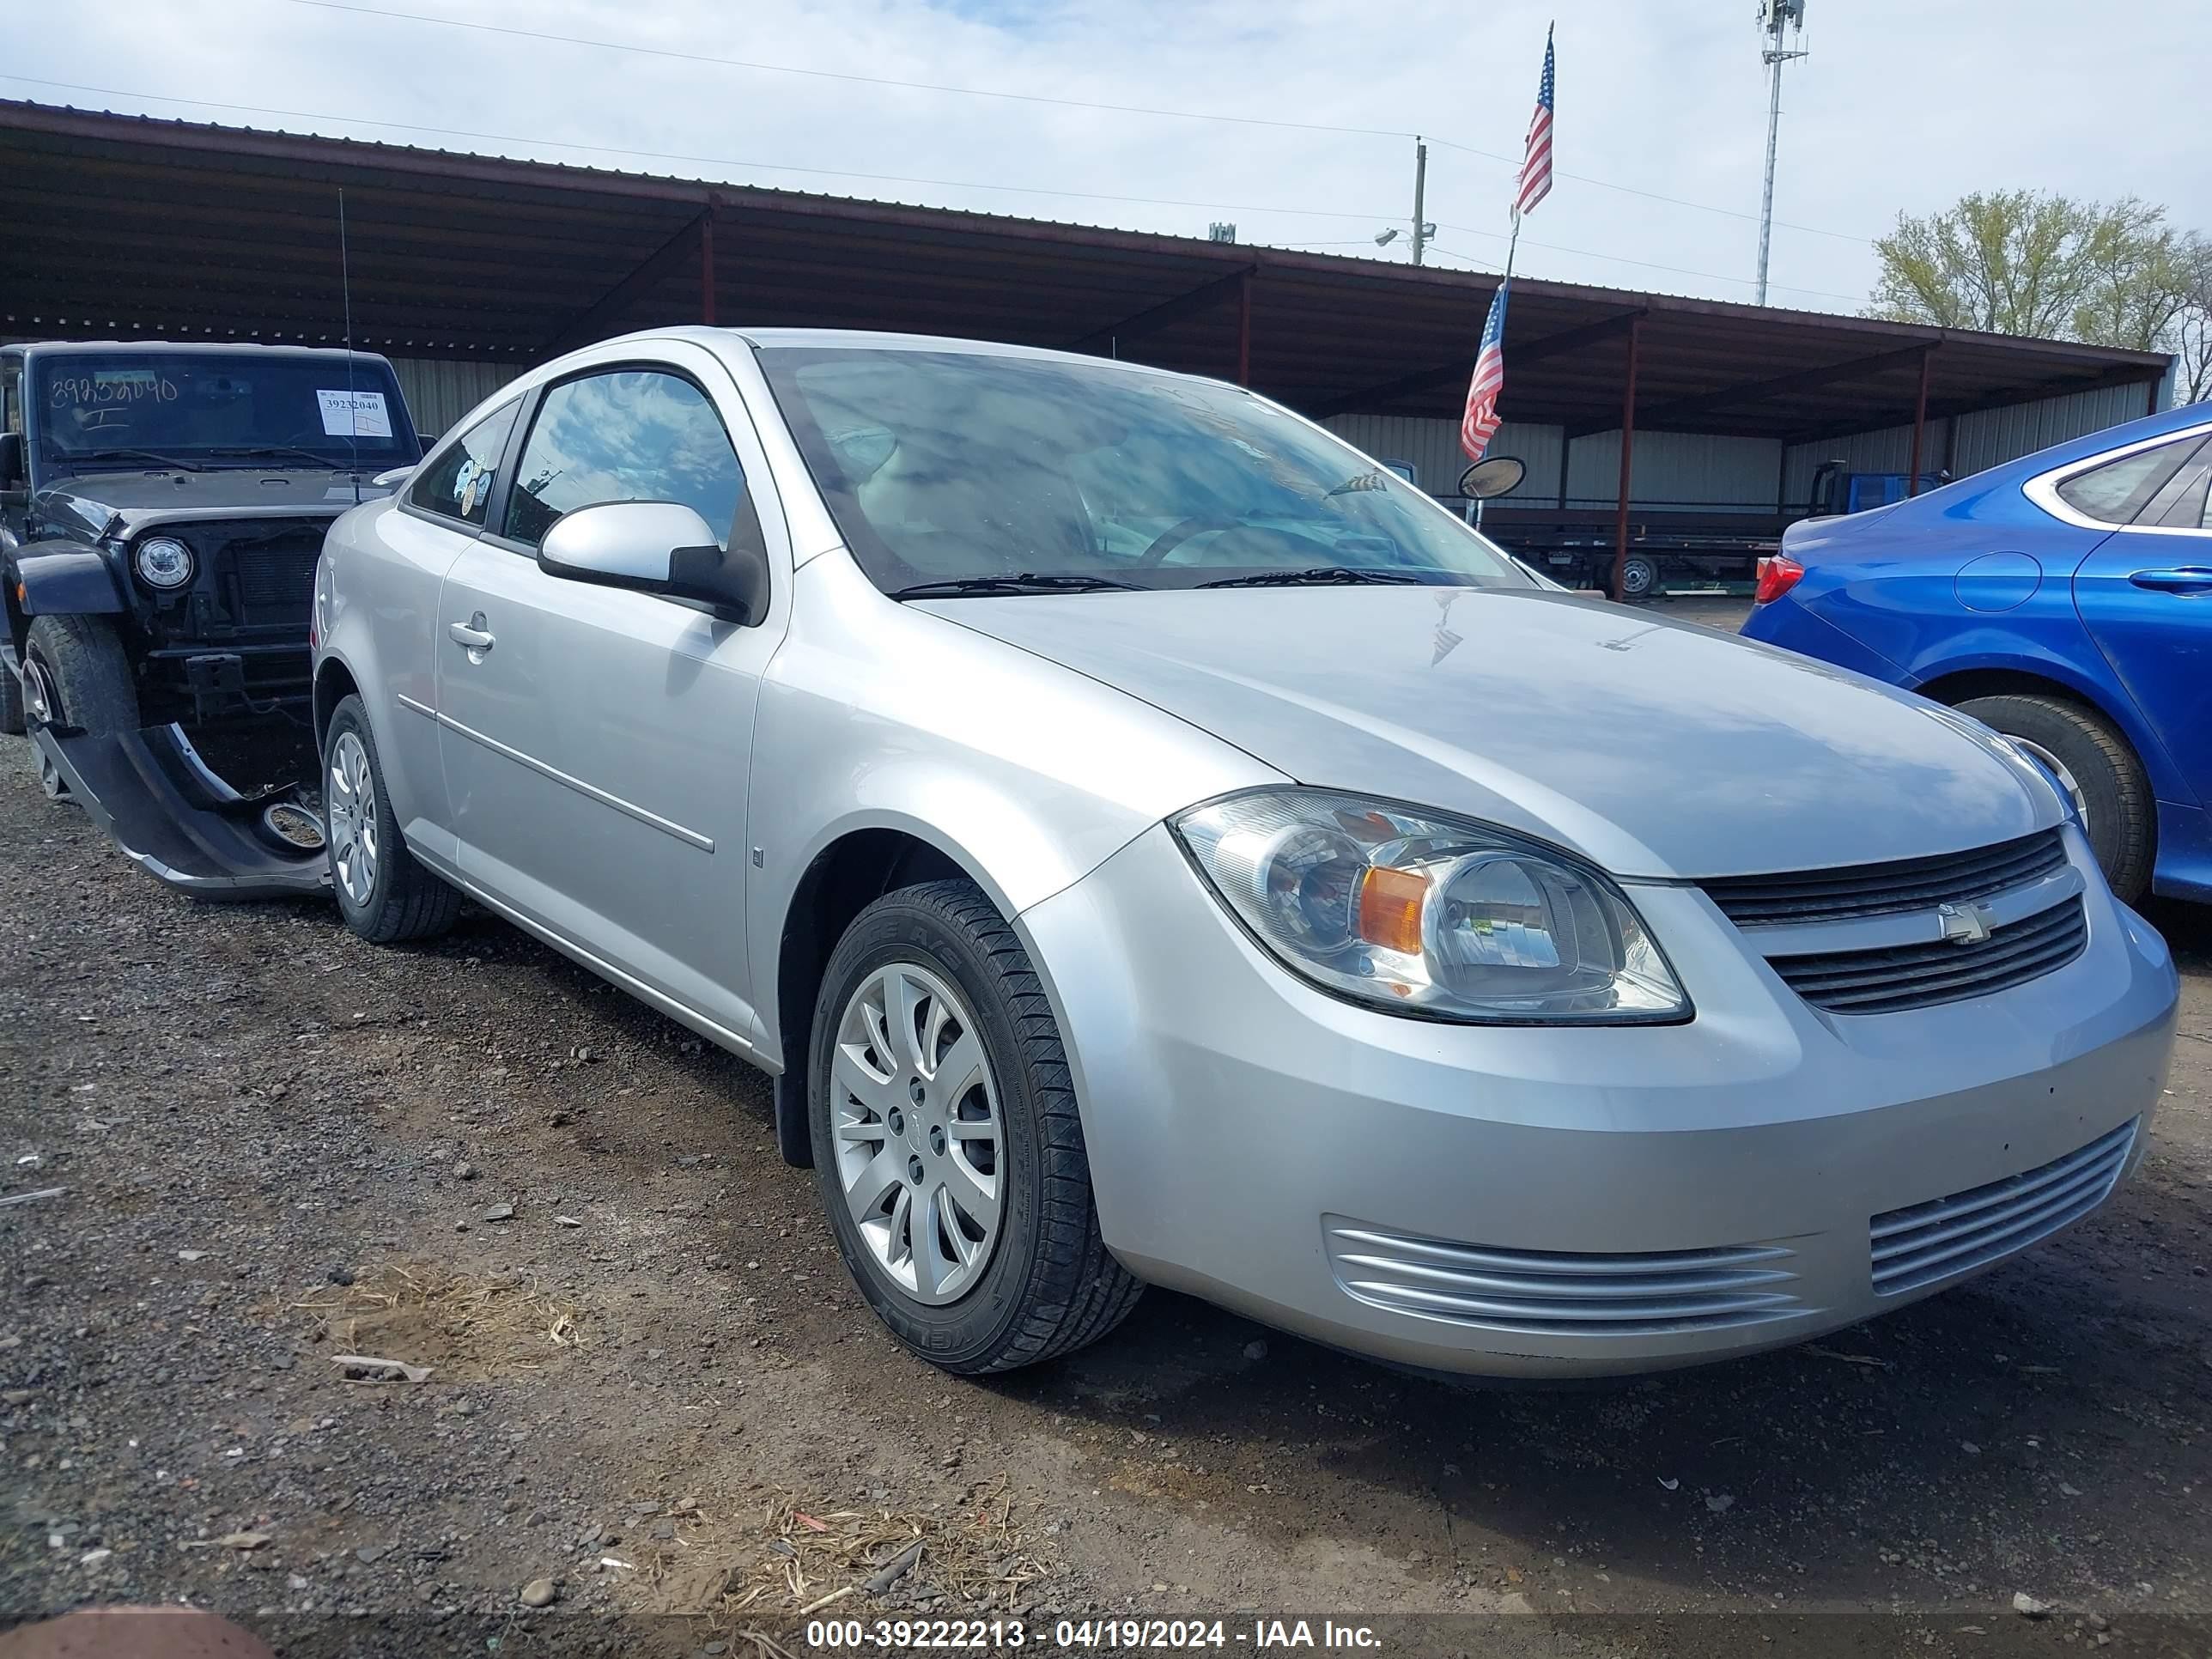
{"x": 2095, "y": 769}
{"x": 946, "y": 1140}
{"x": 75, "y": 674}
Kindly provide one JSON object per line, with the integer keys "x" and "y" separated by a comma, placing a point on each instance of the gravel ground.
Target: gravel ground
{"x": 651, "y": 1384}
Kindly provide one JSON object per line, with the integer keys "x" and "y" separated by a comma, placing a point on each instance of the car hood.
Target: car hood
{"x": 140, "y": 499}
{"x": 1656, "y": 748}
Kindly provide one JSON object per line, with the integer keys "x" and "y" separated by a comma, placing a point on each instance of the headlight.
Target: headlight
{"x": 1418, "y": 914}
{"x": 163, "y": 561}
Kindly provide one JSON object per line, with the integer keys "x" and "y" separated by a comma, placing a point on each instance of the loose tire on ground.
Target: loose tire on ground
{"x": 1049, "y": 1286}
{"x": 2115, "y": 795}
{"x": 400, "y": 899}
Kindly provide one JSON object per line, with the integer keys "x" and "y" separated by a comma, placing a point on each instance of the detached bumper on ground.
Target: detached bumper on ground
{"x": 1581, "y": 1200}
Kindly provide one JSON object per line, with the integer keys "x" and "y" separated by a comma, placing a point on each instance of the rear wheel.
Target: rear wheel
{"x": 75, "y": 674}
{"x": 2096, "y": 769}
{"x": 946, "y": 1142}
{"x": 383, "y": 894}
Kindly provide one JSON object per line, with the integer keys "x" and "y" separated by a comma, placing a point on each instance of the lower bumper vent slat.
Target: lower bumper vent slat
{"x": 1562, "y": 1293}
{"x": 1923, "y": 1244}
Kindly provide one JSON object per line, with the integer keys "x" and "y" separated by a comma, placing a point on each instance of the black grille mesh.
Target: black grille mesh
{"x": 1873, "y": 889}
{"x": 1922, "y": 975}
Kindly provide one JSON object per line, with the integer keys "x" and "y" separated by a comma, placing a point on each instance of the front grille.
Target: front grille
{"x": 1890, "y": 980}
{"x": 1874, "y": 890}
{"x": 276, "y": 575}
{"x": 1555, "y": 1293}
{"x": 1917, "y": 1246}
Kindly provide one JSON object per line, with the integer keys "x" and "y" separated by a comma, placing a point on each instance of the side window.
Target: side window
{"x": 633, "y": 435}
{"x": 456, "y": 483}
{"x": 2115, "y": 492}
{"x": 2180, "y": 504}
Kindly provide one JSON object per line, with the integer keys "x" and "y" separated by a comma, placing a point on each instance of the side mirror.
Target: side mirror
{"x": 656, "y": 547}
{"x": 1501, "y": 475}
{"x": 11, "y": 462}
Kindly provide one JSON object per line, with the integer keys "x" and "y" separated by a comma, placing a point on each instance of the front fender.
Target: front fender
{"x": 66, "y": 580}
{"x": 1028, "y": 775}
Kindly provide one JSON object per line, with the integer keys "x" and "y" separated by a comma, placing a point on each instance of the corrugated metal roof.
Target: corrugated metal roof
{"x": 146, "y": 226}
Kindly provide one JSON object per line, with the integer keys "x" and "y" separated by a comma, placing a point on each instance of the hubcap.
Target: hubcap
{"x": 2064, "y": 778}
{"x": 915, "y": 1111}
{"x": 349, "y": 804}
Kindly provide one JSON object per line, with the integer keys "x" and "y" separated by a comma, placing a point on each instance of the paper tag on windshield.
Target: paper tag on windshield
{"x": 354, "y": 414}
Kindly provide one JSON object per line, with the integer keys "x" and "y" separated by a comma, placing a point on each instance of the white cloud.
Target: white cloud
{"x": 1900, "y": 106}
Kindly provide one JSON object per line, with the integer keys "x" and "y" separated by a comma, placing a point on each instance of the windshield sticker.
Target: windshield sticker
{"x": 355, "y": 414}
{"x": 110, "y": 387}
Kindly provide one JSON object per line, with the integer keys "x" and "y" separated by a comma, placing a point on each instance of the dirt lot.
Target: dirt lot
{"x": 651, "y": 1384}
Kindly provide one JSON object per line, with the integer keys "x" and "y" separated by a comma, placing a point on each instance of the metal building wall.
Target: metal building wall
{"x": 440, "y": 389}
{"x": 1676, "y": 469}
{"x": 1889, "y": 449}
{"x": 1672, "y": 468}
{"x": 1432, "y": 446}
{"x": 1985, "y": 437}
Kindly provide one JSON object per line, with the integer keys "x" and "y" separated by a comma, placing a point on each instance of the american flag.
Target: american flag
{"x": 1481, "y": 420}
{"x": 1534, "y": 182}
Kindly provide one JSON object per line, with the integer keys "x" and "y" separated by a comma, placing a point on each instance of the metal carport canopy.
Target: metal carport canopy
{"x": 128, "y": 225}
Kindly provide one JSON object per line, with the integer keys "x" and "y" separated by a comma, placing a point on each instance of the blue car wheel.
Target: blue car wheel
{"x": 2092, "y": 764}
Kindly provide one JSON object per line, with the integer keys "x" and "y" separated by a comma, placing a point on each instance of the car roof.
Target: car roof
{"x": 858, "y": 340}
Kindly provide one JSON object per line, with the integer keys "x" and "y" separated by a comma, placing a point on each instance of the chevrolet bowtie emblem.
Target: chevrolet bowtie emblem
{"x": 1965, "y": 924}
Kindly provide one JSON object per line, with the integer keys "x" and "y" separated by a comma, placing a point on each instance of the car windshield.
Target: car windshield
{"x": 953, "y": 471}
{"x": 202, "y": 410}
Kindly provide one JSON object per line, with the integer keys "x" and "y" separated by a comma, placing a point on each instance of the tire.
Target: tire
{"x": 383, "y": 894}
{"x": 84, "y": 679}
{"x": 1043, "y": 1283}
{"x": 2109, "y": 787}
{"x": 87, "y": 676}
{"x": 1639, "y": 578}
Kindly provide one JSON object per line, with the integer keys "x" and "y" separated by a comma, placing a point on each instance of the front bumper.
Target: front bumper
{"x": 1560, "y": 1201}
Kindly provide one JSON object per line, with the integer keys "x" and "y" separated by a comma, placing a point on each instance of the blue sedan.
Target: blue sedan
{"x": 2065, "y": 600}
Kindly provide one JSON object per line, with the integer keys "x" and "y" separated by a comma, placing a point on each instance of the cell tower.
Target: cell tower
{"x": 1775, "y": 17}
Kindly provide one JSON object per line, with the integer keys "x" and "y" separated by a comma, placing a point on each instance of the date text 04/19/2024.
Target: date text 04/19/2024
{"x": 916, "y": 1635}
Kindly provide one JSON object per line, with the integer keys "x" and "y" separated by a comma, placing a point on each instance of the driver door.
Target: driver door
{"x": 597, "y": 742}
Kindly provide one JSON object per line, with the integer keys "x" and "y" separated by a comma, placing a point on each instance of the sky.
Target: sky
{"x": 1899, "y": 106}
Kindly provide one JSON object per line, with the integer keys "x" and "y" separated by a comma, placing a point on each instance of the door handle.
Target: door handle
{"x": 476, "y": 639}
{"x": 2190, "y": 578}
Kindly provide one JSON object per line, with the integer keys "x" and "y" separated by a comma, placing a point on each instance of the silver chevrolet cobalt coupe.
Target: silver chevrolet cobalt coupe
{"x": 1150, "y": 843}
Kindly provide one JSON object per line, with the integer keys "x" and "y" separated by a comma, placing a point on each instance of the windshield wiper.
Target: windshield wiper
{"x": 1322, "y": 575}
{"x": 153, "y": 456}
{"x": 247, "y": 451}
{"x": 963, "y": 586}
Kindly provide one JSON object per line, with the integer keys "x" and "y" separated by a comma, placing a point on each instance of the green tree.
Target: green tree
{"x": 2019, "y": 262}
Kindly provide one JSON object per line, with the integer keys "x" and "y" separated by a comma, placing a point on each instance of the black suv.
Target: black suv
{"x": 162, "y": 509}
